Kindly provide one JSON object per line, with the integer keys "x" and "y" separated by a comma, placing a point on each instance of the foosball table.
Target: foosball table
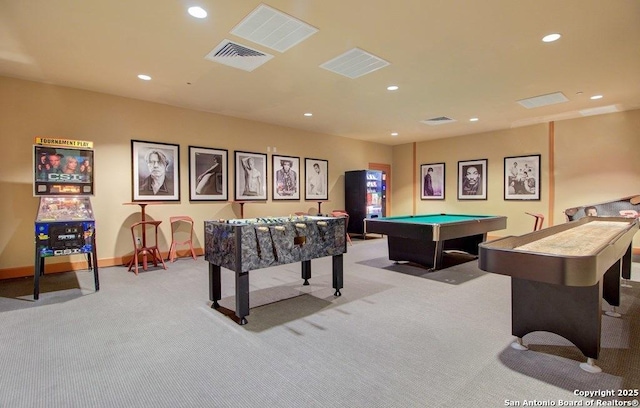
{"x": 243, "y": 245}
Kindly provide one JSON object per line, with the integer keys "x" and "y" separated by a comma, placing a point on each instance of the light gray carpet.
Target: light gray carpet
{"x": 392, "y": 339}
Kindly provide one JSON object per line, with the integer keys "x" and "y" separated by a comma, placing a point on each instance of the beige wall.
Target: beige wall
{"x": 29, "y": 109}
{"x": 594, "y": 160}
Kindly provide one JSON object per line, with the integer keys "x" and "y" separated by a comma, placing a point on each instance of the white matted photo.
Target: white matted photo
{"x": 208, "y": 174}
{"x": 286, "y": 177}
{"x": 316, "y": 179}
{"x": 251, "y": 176}
{"x": 155, "y": 171}
{"x": 472, "y": 179}
{"x": 522, "y": 177}
{"x": 432, "y": 181}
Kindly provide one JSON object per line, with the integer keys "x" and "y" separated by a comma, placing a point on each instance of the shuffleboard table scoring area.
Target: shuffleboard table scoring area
{"x": 583, "y": 240}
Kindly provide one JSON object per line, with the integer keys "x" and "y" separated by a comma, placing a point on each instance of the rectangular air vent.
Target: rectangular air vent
{"x": 440, "y": 120}
{"x": 354, "y": 63}
{"x": 271, "y": 28}
{"x": 543, "y": 100}
{"x": 238, "y": 56}
{"x": 599, "y": 111}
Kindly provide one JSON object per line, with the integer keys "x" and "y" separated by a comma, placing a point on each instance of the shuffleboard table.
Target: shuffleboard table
{"x": 559, "y": 276}
{"x": 423, "y": 238}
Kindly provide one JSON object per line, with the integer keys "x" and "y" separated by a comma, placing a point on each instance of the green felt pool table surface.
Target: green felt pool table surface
{"x": 435, "y": 218}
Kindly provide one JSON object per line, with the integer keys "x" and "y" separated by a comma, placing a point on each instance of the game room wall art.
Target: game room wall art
{"x": 432, "y": 181}
{"x": 286, "y": 177}
{"x": 155, "y": 171}
{"x": 522, "y": 177}
{"x": 472, "y": 179}
{"x": 251, "y": 176}
{"x": 316, "y": 179}
{"x": 208, "y": 174}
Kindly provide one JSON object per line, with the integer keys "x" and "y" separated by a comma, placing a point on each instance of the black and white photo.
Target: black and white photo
{"x": 472, "y": 180}
{"x": 251, "y": 176}
{"x": 155, "y": 171}
{"x": 522, "y": 177}
{"x": 286, "y": 177}
{"x": 432, "y": 181}
{"x": 316, "y": 179}
{"x": 208, "y": 174}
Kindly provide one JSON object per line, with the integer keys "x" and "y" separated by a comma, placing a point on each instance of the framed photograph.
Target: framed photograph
{"x": 155, "y": 171}
{"x": 208, "y": 174}
{"x": 432, "y": 181}
{"x": 522, "y": 177}
{"x": 251, "y": 176}
{"x": 472, "y": 179}
{"x": 316, "y": 173}
{"x": 286, "y": 177}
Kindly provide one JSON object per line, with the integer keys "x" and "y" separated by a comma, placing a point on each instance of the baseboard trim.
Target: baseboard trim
{"x": 58, "y": 267}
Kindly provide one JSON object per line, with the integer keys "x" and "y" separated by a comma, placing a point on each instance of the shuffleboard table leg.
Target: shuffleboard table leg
{"x": 590, "y": 366}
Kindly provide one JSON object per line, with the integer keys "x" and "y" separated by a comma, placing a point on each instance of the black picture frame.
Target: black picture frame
{"x": 472, "y": 179}
{"x": 285, "y": 182}
{"x": 250, "y": 182}
{"x": 316, "y": 172}
{"x": 432, "y": 181}
{"x": 208, "y": 174}
{"x": 152, "y": 161}
{"x": 522, "y": 178}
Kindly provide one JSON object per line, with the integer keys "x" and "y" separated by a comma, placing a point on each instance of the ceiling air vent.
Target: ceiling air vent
{"x": 271, "y": 28}
{"x": 543, "y": 100}
{"x": 440, "y": 120}
{"x": 238, "y": 56}
{"x": 354, "y": 63}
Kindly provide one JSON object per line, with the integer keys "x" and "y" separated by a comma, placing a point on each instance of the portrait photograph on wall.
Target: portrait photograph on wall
{"x": 155, "y": 171}
{"x": 251, "y": 176}
{"x": 472, "y": 179}
{"x": 286, "y": 177}
{"x": 208, "y": 174}
{"x": 432, "y": 181}
{"x": 316, "y": 173}
{"x": 522, "y": 177}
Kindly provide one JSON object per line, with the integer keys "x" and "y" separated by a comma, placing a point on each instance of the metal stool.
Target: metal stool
{"x": 539, "y": 221}
{"x": 174, "y": 242}
{"x": 141, "y": 250}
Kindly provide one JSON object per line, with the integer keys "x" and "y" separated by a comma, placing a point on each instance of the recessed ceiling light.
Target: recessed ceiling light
{"x": 394, "y": 133}
{"x": 144, "y": 77}
{"x": 392, "y": 88}
{"x": 308, "y": 114}
{"x": 596, "y": 97}
{"x": 473, "y": 120}
{"x": 551, "y": 37}
{"x": 197, "y": 12}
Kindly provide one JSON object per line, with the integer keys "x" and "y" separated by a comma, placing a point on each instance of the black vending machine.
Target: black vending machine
{"x": 365, "y": 197}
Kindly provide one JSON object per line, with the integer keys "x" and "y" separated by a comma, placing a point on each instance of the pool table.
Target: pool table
{"x": 423, "y": 238}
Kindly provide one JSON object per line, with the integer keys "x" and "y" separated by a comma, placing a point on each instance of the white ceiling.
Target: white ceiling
{"x": 454, "y": 58}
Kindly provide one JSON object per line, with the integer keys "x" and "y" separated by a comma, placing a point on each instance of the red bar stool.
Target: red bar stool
{"x": 174, "y": 229}
{"x": 539, "y": 221}
{"x": 142, "y": 250}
